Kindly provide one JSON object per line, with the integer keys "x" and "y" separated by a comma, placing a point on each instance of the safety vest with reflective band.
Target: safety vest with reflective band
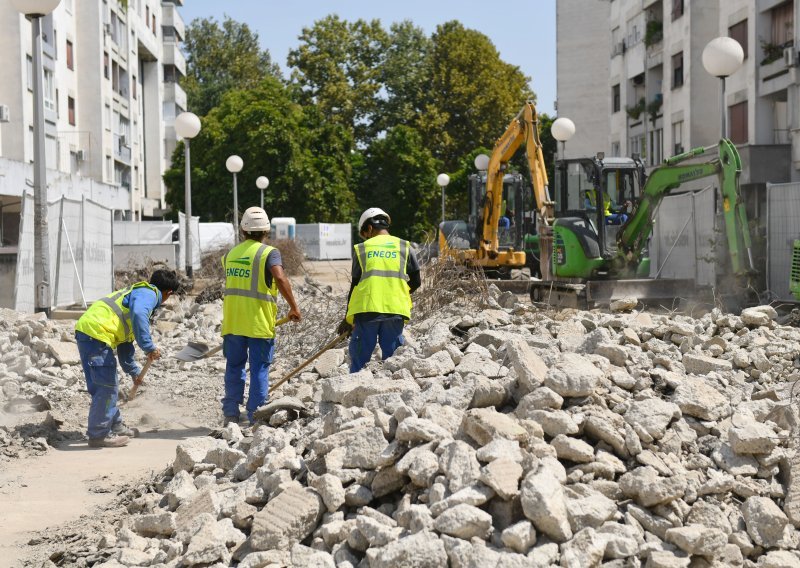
{"x": 592, "y": 195}
{"x": 249, "y": 307}
{"x": 383, "y": 287}
{"x": 107, "y": 320}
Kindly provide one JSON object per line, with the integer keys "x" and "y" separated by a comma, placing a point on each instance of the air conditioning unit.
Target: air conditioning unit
{"x": 80, "y": 155}
{"x": 789, "y": 57}
{"x": 5, "y": 115}
{"x": 123, "y": 141}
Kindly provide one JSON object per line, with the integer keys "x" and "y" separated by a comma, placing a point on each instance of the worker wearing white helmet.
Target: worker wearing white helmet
{"x": 253, "y": 277}
{"x": 385, "y": 272}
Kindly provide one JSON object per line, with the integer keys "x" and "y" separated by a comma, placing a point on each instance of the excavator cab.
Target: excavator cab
{"x": 594, "y": 198}
{"x": 515, "y": 217}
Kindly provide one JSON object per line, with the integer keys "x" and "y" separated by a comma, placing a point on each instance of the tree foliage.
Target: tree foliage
{"x": 220, "y": 59}
{"x": 471, "y": 94}
{"x": 398, "y": 175}
{"x": 306, "y": 159}
{"x": 338, "y": 68}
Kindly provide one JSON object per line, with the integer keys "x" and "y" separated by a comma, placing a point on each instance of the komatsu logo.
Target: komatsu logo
{"x": 695, "y": 173}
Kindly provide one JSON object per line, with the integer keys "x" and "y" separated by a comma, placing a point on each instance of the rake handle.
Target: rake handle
{"x": 305, "y": 363}
{"x": 139, "y": 380}
{"x": 218, "y": 348}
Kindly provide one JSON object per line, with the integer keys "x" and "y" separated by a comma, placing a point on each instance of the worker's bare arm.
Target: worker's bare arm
{"x": 285, "y": 288}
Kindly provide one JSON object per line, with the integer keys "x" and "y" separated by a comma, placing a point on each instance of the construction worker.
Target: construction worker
{"x": 385, "y": 273}
{"x": 253, "y": 277}
{"x": 112, "y": 323}
{"x": 613, "y": 215}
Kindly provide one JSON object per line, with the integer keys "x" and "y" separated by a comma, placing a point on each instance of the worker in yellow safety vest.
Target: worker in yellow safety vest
{"x": 613, "y": 215}
{"x": 385, "y": 272}
{"x": 253, "y": 277}
{"x": 114, "y": 322}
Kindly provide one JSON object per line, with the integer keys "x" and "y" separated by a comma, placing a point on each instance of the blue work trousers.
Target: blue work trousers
{"x": 369, "y": 331}
{"x": 236, "y": 349}
{"x": 100, "y": 368}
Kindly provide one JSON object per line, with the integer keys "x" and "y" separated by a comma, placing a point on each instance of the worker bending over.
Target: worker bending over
{"x": 385, "y": 272}
{"x": 112, "y": 323}
{"x": 253, "y": 277}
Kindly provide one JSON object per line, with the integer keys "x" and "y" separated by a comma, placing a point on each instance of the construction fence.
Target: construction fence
{"x": 80, "y": 236}
{"x": 783, "y": 227}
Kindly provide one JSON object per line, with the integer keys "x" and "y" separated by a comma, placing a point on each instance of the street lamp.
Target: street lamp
{"x": 235, "y": 164}
{"x": 722, "y": 57}
{"x": 443, "y": 180}
{"x": 262, "y": 183}
{"x": 187, "y": 126}
{"x": 481, "y": 162}
{"x": 562, "y": 130}
{"x": 35, "y": 10}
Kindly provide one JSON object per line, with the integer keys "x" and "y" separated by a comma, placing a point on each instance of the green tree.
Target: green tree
{"x": 399, "y": 175}
{"x": 338, "y": 68}
{"x": 306, "y": 159}
{"x": 471, "y": 93}
{"x": 220, "y": 59}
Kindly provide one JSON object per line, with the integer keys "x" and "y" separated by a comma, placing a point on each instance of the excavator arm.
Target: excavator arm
{"x": 523, "y": 129}
{"x": 635, "y": 233}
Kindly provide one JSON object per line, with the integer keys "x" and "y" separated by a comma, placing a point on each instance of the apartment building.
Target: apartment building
{"x": 659, "y": 100}
{"x": 111, "y": 71}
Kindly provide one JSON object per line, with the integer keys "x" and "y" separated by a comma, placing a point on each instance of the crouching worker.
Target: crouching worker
{"x": 253, "y": 277}
{"x": 113, "y": 323}
{"x": 385, "y": 273}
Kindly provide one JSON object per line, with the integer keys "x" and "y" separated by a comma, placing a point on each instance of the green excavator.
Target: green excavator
{"x": 600, "y": 253}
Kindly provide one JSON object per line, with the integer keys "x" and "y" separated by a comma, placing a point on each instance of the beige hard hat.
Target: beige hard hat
{"x": 254, "y": 220}
{"x": 371, "y": 213}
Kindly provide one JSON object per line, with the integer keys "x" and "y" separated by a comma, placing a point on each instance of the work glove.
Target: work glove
{"x": 344, "y": 327}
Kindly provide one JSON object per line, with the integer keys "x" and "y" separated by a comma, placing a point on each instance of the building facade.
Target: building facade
{"x": 111, "y": 71}
{"x": 659, "y": 100}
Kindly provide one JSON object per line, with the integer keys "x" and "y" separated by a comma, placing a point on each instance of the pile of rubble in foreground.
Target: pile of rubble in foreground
{"x": 508, "y": 438}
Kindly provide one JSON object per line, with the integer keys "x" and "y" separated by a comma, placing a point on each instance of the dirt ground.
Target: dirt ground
{"x": 52, "y": 499}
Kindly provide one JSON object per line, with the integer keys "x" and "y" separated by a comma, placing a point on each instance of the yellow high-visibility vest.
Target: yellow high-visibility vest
{"x": 107, "y": 320}
{"x": 592, "y": 195}
{"x": 249, "y": 308}
{"x": 383, "y": 287}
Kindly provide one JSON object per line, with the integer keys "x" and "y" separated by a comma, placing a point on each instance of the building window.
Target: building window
{"x": 107, "y": 117}
{"x": 106, "y": 66}
{"x": 677, "y": 9}
{"x": 70, "y": 56}
{"x": 739, "y": 33}
{"x": 677, "y": 70}
{"x": 146, "y": 15}
{"x": 737, "y": 117}
{"x": 783, "y": 24}
{"x": 49, "y": 90}
{"x": 71, "y": 110}
{"x": 29, "y": 64}
{"x": 154, "y": 25}
{"x": 615, "y": 102}
{"x": 655, "y": 154}
{"x": 677, "y": 138}
{"x": 133, "y": 86}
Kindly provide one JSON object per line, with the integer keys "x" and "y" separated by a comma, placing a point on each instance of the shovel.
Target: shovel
{"x": 195, "y": 351}
{"x": 138, "y": 381}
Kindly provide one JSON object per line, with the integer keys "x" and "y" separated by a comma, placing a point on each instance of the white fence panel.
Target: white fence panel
{"x": 783, "y": 227}
{"x": 682, "y": 244}
{"x": 195, "y": 231}
{"x": 97, "y": 246}
{"x": 24, "y": 300}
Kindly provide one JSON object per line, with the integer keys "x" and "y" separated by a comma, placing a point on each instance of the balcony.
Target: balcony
{"x": 122, "y": 148}
{"x": 776, "y": 75}
{"x": 174, "y": 56}
{"x": 175, "y": 93}
{"x": 171, "y": 18}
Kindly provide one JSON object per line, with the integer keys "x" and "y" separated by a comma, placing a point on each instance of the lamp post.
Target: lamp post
{"x": 262, "y": 183}
{"x": 443, "y": 180}
{"x": 562, "y": 130}
{"x": 187, "y": 126}
{"x": 35, "y": 10}
{"x": 722, "y": 57}
{"x": 235, "y": 164}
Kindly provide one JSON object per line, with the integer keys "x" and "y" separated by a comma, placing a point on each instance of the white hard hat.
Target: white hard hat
{"x": 371, "y": 213}
{"x": 255, "y": 219}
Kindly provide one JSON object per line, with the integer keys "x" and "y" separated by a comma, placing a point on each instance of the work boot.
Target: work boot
{"x": 110, "y": 441}
{"x": 121, "y": 429}
{"x": 229, "y": 419}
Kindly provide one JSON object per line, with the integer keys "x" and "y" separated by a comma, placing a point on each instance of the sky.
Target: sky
{"x": 523, "y": 31}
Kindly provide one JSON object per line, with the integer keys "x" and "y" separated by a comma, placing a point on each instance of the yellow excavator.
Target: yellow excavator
{"x": 481, "y": 241}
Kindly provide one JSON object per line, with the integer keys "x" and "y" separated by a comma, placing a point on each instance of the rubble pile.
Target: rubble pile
{"x": 502, "y": 437}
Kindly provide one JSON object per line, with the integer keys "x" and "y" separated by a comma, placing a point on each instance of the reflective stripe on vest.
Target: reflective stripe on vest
{"x": 111, "y": 302}
{"x": 383, "y": 286}
{"x": 254, "y": 280}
